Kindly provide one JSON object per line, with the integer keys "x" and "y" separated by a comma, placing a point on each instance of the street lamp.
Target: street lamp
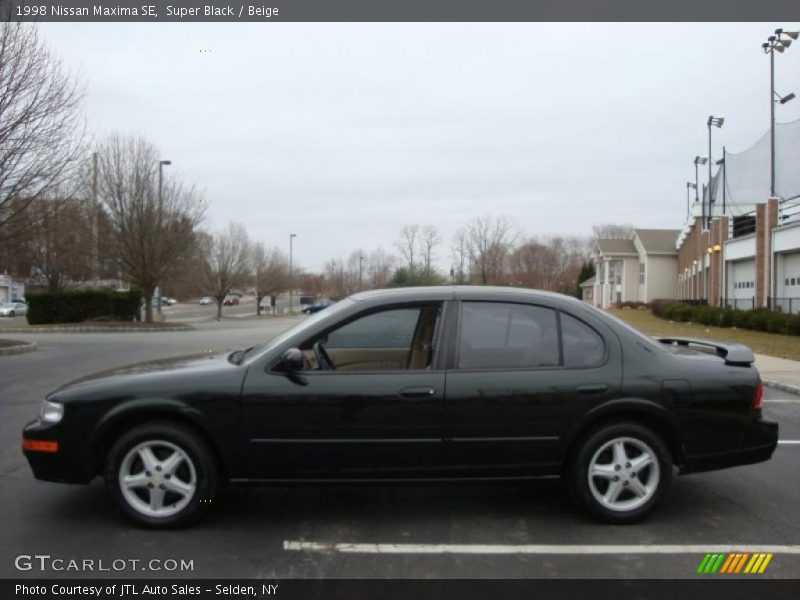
{"x": 689, "y": 186}
{"x": 699, "y": 160}
{"x": 780, "y": 42}
{"x": 360, "y": 270}
{"x": 291, "y": 272}
{"x": 161, "y": 165}
{"x": 715, "y": 122}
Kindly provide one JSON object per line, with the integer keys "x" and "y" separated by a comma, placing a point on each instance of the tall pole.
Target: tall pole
{"x": 708, "y": 189}
{"x": 360, "y": 261}
{"x": 95, "y": 217}
{"x": 291, "y": 272}
{"x": 161, "y": 164}
{"x": 724, "y": 179}
{"x": 772, "y": 122}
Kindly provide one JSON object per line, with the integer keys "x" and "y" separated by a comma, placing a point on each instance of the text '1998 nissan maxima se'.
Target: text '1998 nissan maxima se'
{"x": 408, "y": 385}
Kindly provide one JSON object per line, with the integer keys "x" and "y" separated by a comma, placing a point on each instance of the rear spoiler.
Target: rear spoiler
{"x": 734, "y": 354}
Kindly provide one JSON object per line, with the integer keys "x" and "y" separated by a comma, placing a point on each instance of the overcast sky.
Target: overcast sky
{"x": 342, "y": 133}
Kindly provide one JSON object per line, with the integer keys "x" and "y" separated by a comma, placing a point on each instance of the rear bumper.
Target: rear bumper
{"x": 758, "y": 444}
{"x": 66, "y": 465}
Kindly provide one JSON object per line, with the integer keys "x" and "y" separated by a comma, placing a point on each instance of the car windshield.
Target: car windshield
{"x": 307, "y": 323}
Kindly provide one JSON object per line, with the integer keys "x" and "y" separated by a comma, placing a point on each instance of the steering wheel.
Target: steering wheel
{"x": 323, "y": 360}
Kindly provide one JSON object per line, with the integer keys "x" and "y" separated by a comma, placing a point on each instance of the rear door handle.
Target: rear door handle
{"x": 417, "y": 392}
{"x": 592, "y": 388}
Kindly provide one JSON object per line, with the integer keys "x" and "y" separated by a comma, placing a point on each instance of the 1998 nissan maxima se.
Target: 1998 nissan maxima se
{"x": 414, "y": 384}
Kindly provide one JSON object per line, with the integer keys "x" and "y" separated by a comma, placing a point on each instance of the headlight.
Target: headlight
{"x": 51, "y": 412}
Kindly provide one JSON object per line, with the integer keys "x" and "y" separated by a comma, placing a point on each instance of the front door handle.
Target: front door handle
{"x": 592, "y": 388}
{"x": 417, "y": 392}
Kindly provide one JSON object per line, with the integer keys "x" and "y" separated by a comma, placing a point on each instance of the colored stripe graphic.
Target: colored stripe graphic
{"x": 735, "y": 562}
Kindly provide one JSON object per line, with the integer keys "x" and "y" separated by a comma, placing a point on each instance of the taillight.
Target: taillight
{"x": 759, "y": 395}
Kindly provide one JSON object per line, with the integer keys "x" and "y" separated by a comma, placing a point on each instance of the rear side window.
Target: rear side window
{"x": 583, "y": 346}
{"x": 503, "y": 336}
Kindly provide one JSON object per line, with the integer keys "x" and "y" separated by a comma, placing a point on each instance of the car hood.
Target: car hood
{"x": 147, "y": 374}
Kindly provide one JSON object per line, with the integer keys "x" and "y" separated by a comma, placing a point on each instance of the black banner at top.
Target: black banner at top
{"x": 150, "y": 11}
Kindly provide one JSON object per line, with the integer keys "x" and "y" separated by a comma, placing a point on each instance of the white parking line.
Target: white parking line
{"x": 346, "y": 548}
{"x": 789, "y": 441}
{"x": 783, "y": 401}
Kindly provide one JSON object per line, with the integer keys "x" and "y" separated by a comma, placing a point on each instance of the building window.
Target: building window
{"x": 641, "y": 273}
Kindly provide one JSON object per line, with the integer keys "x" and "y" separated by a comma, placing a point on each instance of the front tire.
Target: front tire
{"x": 161, "y": 475}
{"x": 619, "y": 472}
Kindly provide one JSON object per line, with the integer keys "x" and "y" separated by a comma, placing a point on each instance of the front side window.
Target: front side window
{"x": 507, "y": 336}
{"x": 388, "y": 340}
{"x": 641, "y": 273}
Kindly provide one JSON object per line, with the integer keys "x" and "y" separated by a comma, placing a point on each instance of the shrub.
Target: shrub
{"x": 76, "y": 306}
{"x": 759, "y": 319}
{"x": 777, "y": 323}
{"x": 707, "y": 315}
{"x": 741, "y": 319}
{"x": 727, "y": 317}
{"x": 793, "y": 325}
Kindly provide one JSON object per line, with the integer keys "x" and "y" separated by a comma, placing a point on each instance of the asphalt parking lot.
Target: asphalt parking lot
{"x": 420, "y": 531}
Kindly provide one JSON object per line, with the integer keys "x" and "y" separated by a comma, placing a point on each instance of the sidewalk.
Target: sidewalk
{"x": 779, "y": 373}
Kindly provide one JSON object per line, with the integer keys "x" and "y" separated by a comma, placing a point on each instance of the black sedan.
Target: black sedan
{"x": 414, "y": 384}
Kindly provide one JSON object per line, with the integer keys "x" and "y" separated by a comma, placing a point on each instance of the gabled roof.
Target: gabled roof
{"x": 616, "y": 247}
{"x": 588, "y": 282}
{"x": 658, "y": 241}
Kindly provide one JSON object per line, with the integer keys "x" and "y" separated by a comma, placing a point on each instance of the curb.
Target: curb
{"x": 784, "y": 387}
{"x": 88, "y": 329}
{"x": 20, "y": 348}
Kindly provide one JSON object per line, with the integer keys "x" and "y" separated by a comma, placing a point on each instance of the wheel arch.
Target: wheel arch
{"x": 645, "y": 412}
{"x": 125, "y": 417}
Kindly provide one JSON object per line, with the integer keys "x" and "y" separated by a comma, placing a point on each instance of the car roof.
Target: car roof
{"x": 460, "y": 292}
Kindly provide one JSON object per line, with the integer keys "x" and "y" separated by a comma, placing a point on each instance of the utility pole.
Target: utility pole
{"x": 95, "y": 218}
{"x": 360, "y": 261}
{"x": 291, "y": 272}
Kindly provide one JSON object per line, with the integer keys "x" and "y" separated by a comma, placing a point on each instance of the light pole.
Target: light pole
{"x": 291, "y": 272}
{"x": 95, "y": 217}
{"x": 360, "y": 270}
{"x": 699, "y": 160}
{"x": 780, "y": 42}
{"x": 689, "y": 186}
{"x": 715, "y": 122}
{"x": 161, "y": 165}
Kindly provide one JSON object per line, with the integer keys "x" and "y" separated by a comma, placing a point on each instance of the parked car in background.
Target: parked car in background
{"x": 438, "y": 383}
{"x": 206, "y": 300}
{"x": 230, "y": 300}
{"x": 168, "y": 301}
{"x": 13, "y": 309}
{"x": 310, "y": 309}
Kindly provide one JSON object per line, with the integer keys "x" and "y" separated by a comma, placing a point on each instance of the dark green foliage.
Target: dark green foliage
{"x": 587, "y": 271}
{"x": 76, "y": 306}
{"x": 760, "y": 319}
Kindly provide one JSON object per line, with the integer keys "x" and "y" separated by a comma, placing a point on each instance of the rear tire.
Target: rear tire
{"x": 161, "y": 475}
{"x": 619, "y": 472}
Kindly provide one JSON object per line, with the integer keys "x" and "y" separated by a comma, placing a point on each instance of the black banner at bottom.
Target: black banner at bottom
{"x": 406, "y": 589}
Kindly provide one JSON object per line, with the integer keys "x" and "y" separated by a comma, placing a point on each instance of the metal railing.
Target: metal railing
{"x": 739, "y": 303}
{"x": 744, "y": 224}
{"x": 789, "y": 306}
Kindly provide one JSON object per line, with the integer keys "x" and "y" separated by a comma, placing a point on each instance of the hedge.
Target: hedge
{"x": 760, "y": 319}
{"x": 76, "y": 306}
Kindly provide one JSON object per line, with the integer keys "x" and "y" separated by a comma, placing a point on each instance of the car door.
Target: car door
{"x": 378, "y": 414}
{"x": 515, "y": 389}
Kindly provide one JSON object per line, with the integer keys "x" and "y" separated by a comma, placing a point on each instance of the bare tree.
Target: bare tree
{"x": 429, "y": 239}
{"x": 459, "y": 254}
{"x": 41, "y": 127}
{"x": 612, "y": 231}
{"x": 152, "y": 232}
{"x": 270, "y": 272}
{"x": 227, "y": 262}
{"x": 407, "y": 244}
{"x": 489, "y": 240}
{"x": 380, "y": 267}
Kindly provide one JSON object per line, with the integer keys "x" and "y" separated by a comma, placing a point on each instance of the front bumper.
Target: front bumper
{"x": 757, "y": 445}
{"x": 66, "y": 465}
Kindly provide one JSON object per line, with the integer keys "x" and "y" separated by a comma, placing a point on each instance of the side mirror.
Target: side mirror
{"x": 293, "y": 360}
